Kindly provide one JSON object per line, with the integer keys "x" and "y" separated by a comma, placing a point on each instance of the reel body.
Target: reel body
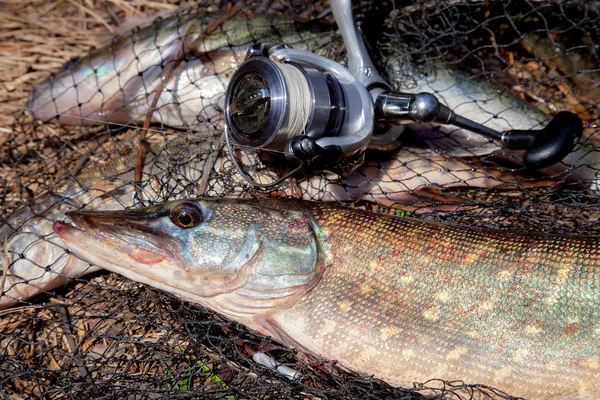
{"x": 299, "y": 103}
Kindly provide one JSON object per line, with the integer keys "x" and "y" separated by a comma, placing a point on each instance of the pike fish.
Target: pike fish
{"x": 38, "y": 261}
{"x": 117, "y": 84}
{"x": 399, "y": 298}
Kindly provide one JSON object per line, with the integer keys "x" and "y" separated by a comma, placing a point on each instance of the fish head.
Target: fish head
{"x": 239, "y": 257}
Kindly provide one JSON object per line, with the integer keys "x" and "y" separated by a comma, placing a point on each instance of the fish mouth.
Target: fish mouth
{"x": 109, "y": 234}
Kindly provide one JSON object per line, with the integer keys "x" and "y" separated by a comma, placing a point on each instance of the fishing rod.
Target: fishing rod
{"x": 319, "y": 113}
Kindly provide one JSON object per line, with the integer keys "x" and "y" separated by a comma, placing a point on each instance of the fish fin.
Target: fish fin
{"x": 114, "y": 110}
{"x": 315, "y": 361}
{"x": 273, "y": 328}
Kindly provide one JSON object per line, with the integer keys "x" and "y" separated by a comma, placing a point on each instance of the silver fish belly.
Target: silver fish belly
{"x": 117, "y": 83}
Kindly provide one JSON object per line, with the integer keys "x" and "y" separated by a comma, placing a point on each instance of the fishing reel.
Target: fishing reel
{"x": 320, "y": 114}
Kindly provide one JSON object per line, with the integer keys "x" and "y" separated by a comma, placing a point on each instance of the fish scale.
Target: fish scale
{"x": 408, "y": 301}
{"x": 399, "y": 298}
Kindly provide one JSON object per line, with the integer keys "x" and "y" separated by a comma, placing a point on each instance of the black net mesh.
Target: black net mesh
{"x": 510, "y": 65}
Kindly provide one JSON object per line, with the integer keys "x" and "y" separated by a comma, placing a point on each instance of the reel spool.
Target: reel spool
{"x": 268, "y": 103}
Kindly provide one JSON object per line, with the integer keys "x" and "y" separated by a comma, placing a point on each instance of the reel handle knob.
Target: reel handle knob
{"x": 545, "y": 147}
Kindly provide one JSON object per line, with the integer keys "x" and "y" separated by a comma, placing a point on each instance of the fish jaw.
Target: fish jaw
{"x": 241, "y": 269}
{"x": 144, "y": 254}
{"x": 108, "y": 239}
{"x": 92, "y": 248}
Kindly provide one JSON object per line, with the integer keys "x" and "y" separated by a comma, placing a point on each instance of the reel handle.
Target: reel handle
{"x": 544, "y": 147}
{"x": 547, "y": 146}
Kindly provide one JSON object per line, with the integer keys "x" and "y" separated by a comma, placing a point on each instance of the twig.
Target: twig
{"x": 294, "y": 188}
{"x": 113, "y": 15}
{"x": 128, "y": 9}
{"x": 96, "y": 16}
{"x": 23, "y": 309}
{"x": 71, "y": 343}
{"x": 210, "y": 164}
{"x": 142, "y": 147}
{"x": 220, "y": 21}
{"x": 4, "y": 267}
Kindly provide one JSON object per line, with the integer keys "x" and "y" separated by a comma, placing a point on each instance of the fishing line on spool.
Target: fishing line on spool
{"x": 297, "y": 115}
{"x": 297, "y": 108}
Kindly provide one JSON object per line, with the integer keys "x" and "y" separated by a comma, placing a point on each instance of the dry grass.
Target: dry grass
{"x": 38, "y": 37}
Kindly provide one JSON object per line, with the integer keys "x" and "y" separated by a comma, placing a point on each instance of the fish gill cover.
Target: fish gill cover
{"x": 515, "y": 64}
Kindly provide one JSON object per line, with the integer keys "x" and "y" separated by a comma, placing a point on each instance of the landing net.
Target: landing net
{"x": 103, "y": 336}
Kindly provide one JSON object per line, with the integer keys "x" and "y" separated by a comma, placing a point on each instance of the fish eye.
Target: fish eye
{"x": 186, "y": 215}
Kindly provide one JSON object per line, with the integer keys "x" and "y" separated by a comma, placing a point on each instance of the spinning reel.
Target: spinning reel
{"x": 319, "y": 113}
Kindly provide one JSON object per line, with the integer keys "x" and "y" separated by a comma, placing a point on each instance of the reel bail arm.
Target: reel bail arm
{"x": 360, "y": 64}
